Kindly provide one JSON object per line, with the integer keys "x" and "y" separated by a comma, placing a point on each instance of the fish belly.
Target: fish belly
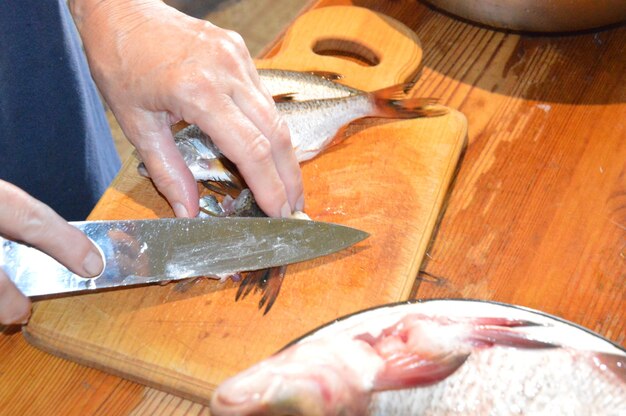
{"x": 507, "y": 381}
{"x": 314, "y": 124}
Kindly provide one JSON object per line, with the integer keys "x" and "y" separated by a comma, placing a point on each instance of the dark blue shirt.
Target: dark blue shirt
{"x": 55, "y": 141}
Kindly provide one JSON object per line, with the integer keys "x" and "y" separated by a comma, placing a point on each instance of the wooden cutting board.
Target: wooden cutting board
{"x": 388, "y": 177}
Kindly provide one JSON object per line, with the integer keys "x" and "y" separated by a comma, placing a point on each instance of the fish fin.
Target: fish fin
{"x": 216, "y": 187}
{"x": 613, "y": 362}
{"x": 331, "y": 76}
{"x": 249, "y": 282}
{"x": 266, "y": 281}
{"x": 391, "y": 102}
{"x": 489, "y": 335}
{"x": 286, "y": 97}
{"x": 505, "y": 322}
{"x": 272, "y": 287}
{"x": 412, "y": 370}
{"x": 214, "y": 170}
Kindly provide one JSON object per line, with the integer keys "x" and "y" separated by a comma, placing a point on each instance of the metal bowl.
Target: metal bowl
{"x": 538, "y": 15}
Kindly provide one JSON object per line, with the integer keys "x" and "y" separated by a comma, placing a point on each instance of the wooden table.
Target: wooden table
{"x": 536, "y": 216}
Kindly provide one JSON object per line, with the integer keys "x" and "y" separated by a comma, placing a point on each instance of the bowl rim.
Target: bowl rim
{"x": 468, "y": 300}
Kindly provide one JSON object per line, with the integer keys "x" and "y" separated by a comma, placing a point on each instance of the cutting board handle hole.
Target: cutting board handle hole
{"x": 346, "y": 49}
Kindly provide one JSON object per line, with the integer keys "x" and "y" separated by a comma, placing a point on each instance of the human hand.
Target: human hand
{"x": 25, "y": 219}
{"x": 156, "y": 66}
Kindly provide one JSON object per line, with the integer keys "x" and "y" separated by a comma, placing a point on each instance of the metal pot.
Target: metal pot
{"x": 538, "y": 15}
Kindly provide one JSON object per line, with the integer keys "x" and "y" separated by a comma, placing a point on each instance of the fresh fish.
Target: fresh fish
{"x": 315, "y": 107}
{"x": 314, "y": 123}
{"x": 304, "y": 85}
{"x": 406, "y": 359}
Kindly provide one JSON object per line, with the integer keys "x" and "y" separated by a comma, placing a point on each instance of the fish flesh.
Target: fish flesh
{"x": 460, "y": 357}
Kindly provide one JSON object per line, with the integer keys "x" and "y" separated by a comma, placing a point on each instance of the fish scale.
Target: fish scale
{"x": 303, "y": 85}
{"x": 506, "y": 381}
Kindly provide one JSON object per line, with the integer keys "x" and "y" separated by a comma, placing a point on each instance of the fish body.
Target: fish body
{"x": 400, "y": 360}
{"x": 304, "y": 85}
{"x": 314, "y": 108}
{"x": 312, "y": 124}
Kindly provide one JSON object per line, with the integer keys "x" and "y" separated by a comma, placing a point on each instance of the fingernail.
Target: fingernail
{"x": 285, "y": 211}
{"x": 93, "y": 263}
{"x": 300, "y": 203}
{"x": 180, "y": 210}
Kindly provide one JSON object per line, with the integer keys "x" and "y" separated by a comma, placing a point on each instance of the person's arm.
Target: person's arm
{"x": 156, "y": 66}
{"x": 23, "y": 218}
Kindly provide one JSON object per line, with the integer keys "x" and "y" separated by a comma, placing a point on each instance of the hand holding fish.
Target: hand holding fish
{"x": 26, "y": 219}
{"x": 156, "y": 66}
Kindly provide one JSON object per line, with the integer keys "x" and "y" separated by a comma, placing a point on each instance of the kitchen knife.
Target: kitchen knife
{"x": 148, "y": 251}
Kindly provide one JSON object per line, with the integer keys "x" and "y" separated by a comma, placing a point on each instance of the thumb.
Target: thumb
{"x": 14, "y": 306}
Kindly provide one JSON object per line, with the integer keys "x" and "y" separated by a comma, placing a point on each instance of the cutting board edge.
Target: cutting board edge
{"x": 436, "y": 212}
{"x": 43, "y": 341}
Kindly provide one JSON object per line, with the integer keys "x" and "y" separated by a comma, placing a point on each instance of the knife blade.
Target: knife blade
{"x": 149, "y": 251}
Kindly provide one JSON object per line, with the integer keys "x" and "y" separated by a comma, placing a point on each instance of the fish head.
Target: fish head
{"x": 302, "y": 380}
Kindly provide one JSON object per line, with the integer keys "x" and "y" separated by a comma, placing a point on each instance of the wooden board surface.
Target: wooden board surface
{"x": 544, "y": 167}
{"x": 388, "y": 178}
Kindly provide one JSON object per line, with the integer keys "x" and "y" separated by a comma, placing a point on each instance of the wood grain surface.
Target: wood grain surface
{"x": 186, "y": 338}
{"x": 536, "y": 216}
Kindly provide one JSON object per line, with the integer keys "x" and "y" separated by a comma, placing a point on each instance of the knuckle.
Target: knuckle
{"x": 259, "y": 149}
{"x": 32, "y": 220}
{"x": 236, "y": 39}
{"x": 280, "y": 134}
{"x": 231, "y": 48}
{"x": 164, "y": 181}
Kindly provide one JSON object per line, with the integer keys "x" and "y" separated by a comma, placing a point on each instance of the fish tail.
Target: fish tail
{"x": 391, "y": 102}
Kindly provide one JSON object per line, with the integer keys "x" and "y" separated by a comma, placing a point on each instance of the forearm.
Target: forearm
{"x": 105, "y": 25}
{"x": 113, "y": 10}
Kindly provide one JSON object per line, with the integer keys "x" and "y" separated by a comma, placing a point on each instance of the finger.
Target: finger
{"x": 157, "y": 148}
{"x": 245, "y": 145}
{"x": 14, "y": 306}
{"x": 26, "y": 219}
{"x": 254, "y": 104}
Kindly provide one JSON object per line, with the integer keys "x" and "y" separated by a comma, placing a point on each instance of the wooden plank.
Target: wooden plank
{"x": 186, "y": 339}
